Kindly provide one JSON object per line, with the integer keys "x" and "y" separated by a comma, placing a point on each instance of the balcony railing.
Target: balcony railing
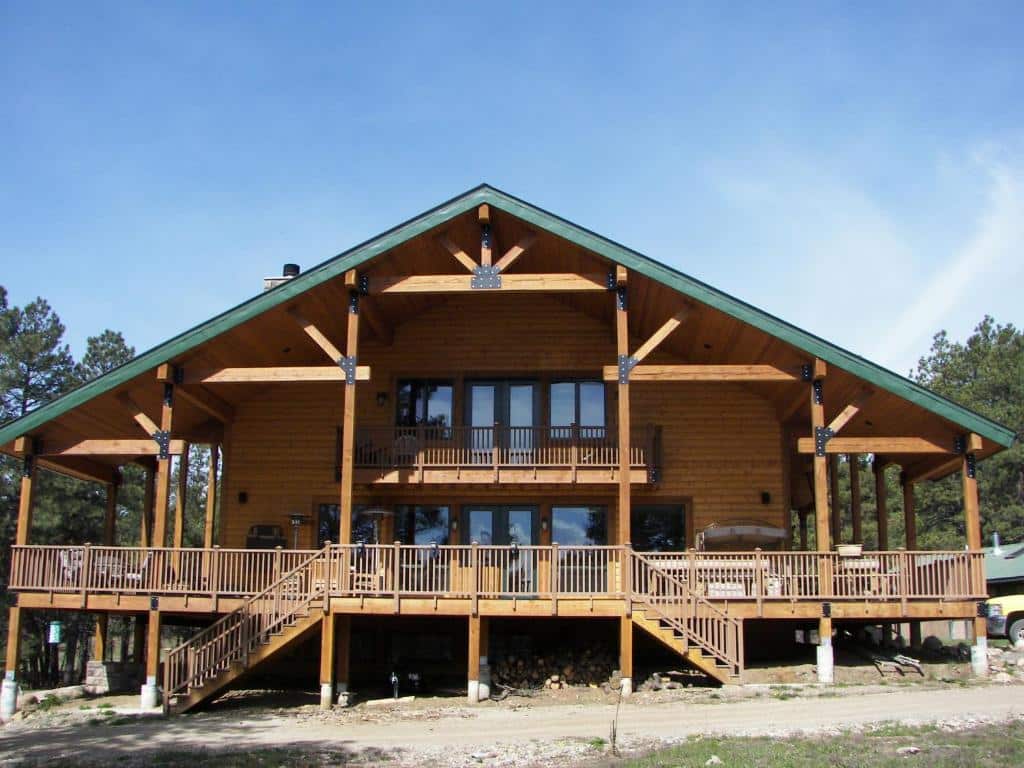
{"x": 478, "y": 571}
{"x": 501, "y": 447}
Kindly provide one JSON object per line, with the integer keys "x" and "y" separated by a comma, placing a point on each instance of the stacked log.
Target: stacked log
{"x": 556, "y": 671}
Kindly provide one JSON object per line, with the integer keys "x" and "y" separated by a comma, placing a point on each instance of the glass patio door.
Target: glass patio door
{"x": 507, "y": 571}
{"x": 502, "y": 414}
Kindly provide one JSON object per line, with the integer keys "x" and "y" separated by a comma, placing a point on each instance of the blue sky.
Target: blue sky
{"x": 856, "y": 169}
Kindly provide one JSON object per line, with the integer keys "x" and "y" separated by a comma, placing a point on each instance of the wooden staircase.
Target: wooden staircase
{"x": 664, "y": 606}
{"x": 267, "y": 623}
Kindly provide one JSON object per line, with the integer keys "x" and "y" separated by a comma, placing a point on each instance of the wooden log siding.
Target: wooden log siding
{"x": 721, "y": 442}
{"x": 468, "y": 571}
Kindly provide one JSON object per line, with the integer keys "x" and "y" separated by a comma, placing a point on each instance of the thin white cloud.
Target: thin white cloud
{"x": 987, "y": 264}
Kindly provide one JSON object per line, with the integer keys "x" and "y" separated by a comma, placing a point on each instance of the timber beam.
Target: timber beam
{"x": 196, "y": 394}
{"x": 277, "y": 374}
{"x": 895, "y": 445}
{"x": 739, "y": 373}
{"x": 923, "y": 471}
{"x": 81, "y": 468}
{"x": 114, "y": 447}
{"x": 515, "y": 283}
{"x": 848, "y": 413}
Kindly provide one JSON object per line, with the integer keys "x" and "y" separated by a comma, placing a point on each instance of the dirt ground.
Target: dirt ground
{"x": 569, "y": 727}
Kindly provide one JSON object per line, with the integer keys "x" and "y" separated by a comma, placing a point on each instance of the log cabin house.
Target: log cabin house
{"x": 482, "y": 421}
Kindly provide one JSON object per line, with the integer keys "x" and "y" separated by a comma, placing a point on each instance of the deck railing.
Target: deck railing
{"x": 501, "y": 447}
{"x": 483, "y": 571}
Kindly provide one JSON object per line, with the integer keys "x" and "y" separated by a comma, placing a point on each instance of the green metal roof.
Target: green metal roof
{"x": 542, "y": 219}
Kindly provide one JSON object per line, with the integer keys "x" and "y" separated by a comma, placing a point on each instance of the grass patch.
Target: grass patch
{"x": 1001, "y": 745}
{"x": 597, "y": 743}
{"x": 48, "y": 702}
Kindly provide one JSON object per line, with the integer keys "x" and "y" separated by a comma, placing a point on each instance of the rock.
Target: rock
{"x": 908, "y": 751}
{"x": 1002, "y": 677}
{"x": 1020, "y": 661}
{"x": 994, "y": 652}
{"x": 932, "y": 644}
{"x": 713, "y": 760}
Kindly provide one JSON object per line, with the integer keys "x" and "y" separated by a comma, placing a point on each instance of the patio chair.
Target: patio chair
{"x": 137, "y": 577}
{"x": 70, "y": 564}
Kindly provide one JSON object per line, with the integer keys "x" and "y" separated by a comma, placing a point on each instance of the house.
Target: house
{"x": 479, "y": 422}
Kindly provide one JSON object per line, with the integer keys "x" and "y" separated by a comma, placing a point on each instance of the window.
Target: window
{"x": 580, "y": 403}
{"x": 422, "y": 401}
{"x": 658, "y": 528}
{"x": 421, "y": 524}
{"x": 579, "y": 526}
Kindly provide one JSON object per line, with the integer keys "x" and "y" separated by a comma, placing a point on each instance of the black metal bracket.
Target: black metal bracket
{"x": 154, "y": 603}
{"x": 972, "y": 465}
{"x": 162, "y": 438}
{"x": 819, "y": 391}
{"x": 653, "y": 475}
{"x": 826, "y": 610}
{"x": 485, "y": 235}
{"x": 982, "y": 609}
{"x": 168, "y": 394}
{"x": 626, "y": 364}
{"x": 28, "y": 463}
{"x": 806, "y": 372}
{"x": 485, "y": 277}
{"x": 353, "y": 302}
{"x": 821, "y": 437}
{"x": 959, "y": 444}
{"x": 621, "y": 297}
{"x": 364, "y": 285}
{"x": 611, "y": 282}
{"x": 348, "y": 365}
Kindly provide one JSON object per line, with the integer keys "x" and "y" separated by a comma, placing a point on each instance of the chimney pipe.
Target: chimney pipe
{"x": 287, "y": 273}
{"x": 290, "y": 270}
{"x": 996, "y": 549}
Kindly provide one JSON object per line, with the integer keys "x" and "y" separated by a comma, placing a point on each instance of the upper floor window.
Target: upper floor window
{"x": 424, "y": 401}
{"x": 580, "y": 403}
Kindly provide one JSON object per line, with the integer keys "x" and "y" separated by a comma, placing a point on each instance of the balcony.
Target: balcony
{"x": 752, "y": 583}
{"x": 430, "y": 454}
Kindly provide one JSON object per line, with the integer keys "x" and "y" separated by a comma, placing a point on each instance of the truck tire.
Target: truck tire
{"x": 1015, "y": 634}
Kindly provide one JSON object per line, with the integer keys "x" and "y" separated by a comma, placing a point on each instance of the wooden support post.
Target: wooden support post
{"x": 826, "y": 661}
{"x": 881, "y": 506}
{"x": 972, "y": 513}
{"x": 821, "y": 518}
{"x": 327, "y": 661}
{"x": 622, "y": 348}
{"x": 342, "y": 654}
{"x": 473, "y": 661}
{"x": 180, "y": 497}
{"x": 626, "y": 654}
{"x": 211, "y": 497}
{"x": 833, "y": 498}
{"x": 909, "y": 513}
{"x": 349, "y": 416}
{"x": 855, "y": 500}
{"x": 13, "y": 642}
{"x": 150, "y": 695}
{"x": 163, "y": 472}
{"x": 100, "y": 647}
{"x": 26, "y": 499}
{"x": 110, "y": 516}
{"x": 486, "y": 246}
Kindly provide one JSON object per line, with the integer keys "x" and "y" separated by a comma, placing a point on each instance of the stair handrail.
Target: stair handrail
{"x": 231, "y": 636}
{"x": 689, "y": 599}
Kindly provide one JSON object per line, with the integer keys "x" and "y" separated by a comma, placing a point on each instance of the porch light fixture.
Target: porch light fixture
{"x": 544, "y": 524}
{"x": 382, "y": 399}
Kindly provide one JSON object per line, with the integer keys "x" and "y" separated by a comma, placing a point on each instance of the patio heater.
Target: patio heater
{"x": 297, "y": 522}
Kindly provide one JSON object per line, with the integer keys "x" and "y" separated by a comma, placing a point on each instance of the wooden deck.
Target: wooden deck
{"x": 501, "y": 580}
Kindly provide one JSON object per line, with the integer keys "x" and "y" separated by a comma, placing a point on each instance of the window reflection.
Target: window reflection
{"x": 579, "y": 526}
